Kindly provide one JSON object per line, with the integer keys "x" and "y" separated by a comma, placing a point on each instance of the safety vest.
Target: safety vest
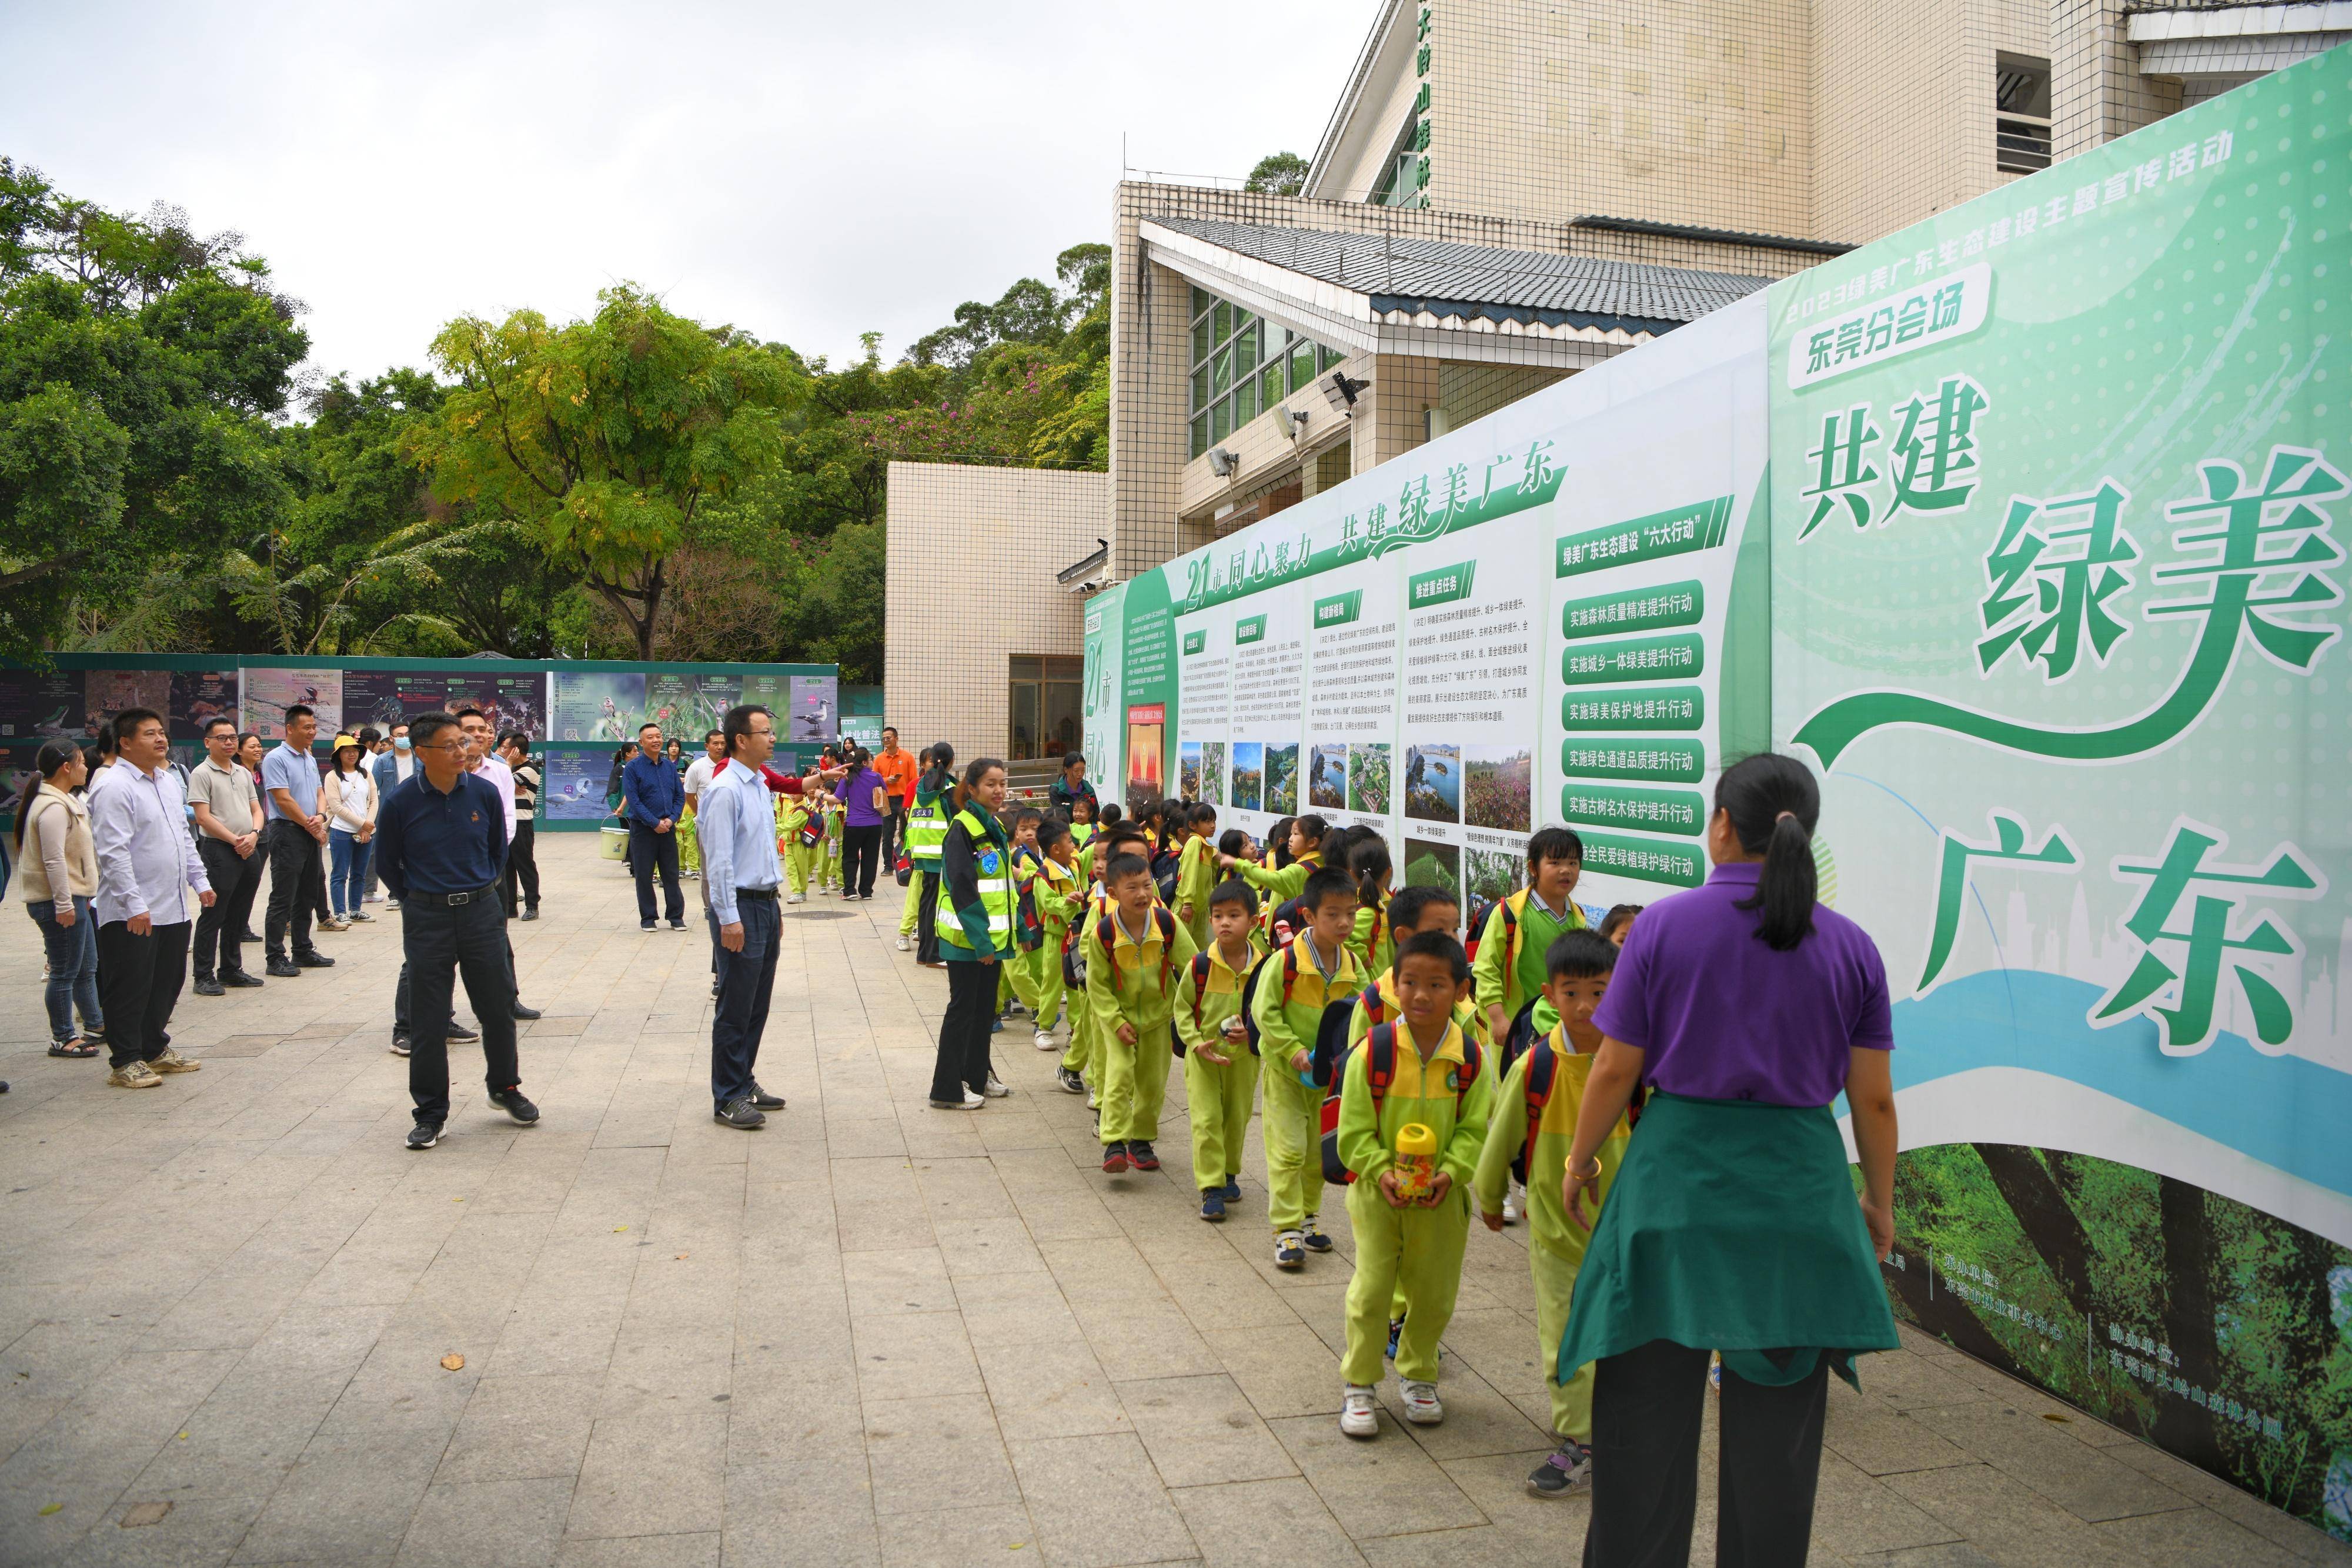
{"x": 992, "y": 868}
{"x": 927, "y": 831}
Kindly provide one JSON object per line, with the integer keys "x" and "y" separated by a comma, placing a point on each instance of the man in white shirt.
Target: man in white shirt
{"x": 139, "y": 829}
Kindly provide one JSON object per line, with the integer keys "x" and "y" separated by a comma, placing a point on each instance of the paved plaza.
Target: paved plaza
{"x": 873, "y": 1332}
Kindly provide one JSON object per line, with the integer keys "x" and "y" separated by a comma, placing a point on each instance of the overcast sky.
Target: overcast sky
{"x": 805, "y": 171}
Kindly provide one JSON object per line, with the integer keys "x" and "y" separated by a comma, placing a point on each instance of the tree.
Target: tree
{"x": 608, "y": 436}
{"x": 1278, "y": 175}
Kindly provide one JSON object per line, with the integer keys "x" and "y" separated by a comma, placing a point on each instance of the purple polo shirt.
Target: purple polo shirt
{"x": 1719, "y": 1016}
{"x": 858, "y": 800}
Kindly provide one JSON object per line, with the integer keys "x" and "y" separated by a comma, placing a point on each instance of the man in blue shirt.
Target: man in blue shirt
{"x": 442, "y": 840}
{"x": 737, "y": 828}
{"x": 293, "y": 835}
{"x": 653, "y": 798}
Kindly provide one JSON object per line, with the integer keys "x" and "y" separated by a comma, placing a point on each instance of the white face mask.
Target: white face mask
{"x": 400, "y": 742}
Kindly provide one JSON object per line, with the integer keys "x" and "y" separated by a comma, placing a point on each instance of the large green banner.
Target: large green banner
{"x": 2059, "y": 506}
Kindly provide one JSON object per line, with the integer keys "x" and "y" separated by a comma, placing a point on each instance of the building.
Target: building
{"x": 1508, "y": 190}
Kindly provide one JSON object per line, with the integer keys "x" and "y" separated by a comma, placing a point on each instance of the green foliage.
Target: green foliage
{"x": 1278, "y": 175}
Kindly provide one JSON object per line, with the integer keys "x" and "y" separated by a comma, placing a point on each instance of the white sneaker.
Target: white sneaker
{"x": 791, "y": 898}
{"x": 1421, "y": 1403}
{"x": 904, "y": 945}
{"x": 993, "y": 1088}
{"x": 971, "y": 1101}
{"x": 1045, "y": 1040}
{"x": 1513, "y": 1197}
{"x": 1093, "y": 1101}
{"x": 1356, "y": 1412}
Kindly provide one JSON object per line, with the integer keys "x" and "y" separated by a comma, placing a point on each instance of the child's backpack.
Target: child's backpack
{"x": 1543, "y": 1070}
{"x": 1286, "y": 958}
{"x": 812, "y": 830}
{"x": 1482, "y": 909}
{"x": 1164, "y": 866}
{"x": 1286, "y": 921}
{"x": 1379, "y": 1072}
{"x": 1520, "y": 1038}
{"x": 1106, "y": 932}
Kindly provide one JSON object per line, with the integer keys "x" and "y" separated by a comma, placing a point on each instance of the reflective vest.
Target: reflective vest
{"x": 926, "y": 830}
{"x": 992, "y": 868}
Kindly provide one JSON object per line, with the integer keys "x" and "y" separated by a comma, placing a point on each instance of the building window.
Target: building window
{"x": 1243, "y": 365}
{"x": 1403, "y": 178}
{"x": 1045, "y": 705}
{"x": 2021, "y": 114}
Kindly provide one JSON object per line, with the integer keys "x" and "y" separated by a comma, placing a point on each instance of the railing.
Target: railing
{"x": 2021, "y": 143}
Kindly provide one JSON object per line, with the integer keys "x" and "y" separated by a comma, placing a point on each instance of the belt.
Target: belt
{"x": 453, "y": 900}
{"x": 767, "y": 893}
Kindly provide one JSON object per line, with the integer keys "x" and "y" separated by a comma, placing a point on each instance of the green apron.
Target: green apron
{"x": 1732, "y": 1227}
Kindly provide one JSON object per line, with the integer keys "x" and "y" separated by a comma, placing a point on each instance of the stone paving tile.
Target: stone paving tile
{"x": 870, "y": 1333}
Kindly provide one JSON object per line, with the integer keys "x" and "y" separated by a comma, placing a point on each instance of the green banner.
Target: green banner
{"x": 1645, "y": 859}
{"x": 1427, "y": 590}
{"x": 1340, "y": 608}
{"x": 1651, "y": 811}
{"x": 1651, "y": 708}
{"x": 1701, "y": 526}
{"x": 1680, "y": 603}
{"x": 1636, "y": 659}
{"x": 1676, "y": 761}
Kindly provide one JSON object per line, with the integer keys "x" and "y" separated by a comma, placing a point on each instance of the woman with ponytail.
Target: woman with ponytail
{"x": 60, "y": 878}
{"x": 1374, "y": 943}
{"x": 1732, "y": 1226}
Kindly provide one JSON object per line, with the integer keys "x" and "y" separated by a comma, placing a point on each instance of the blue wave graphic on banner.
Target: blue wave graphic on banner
{"x": 2284, "y": 1110}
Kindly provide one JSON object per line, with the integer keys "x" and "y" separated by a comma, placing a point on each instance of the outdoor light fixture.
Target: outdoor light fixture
{"x": 1340, "y": 391}
{"x": 1223, "y": 463}
{"x": 1293, "y": 423}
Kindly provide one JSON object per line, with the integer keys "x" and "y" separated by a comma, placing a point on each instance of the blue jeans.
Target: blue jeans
{"x": 347, "y": 865}
{"x": 73, "y": 969}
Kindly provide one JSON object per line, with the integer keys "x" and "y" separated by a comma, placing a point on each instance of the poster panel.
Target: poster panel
{"x": 816, "y": 710}
{"x": 688, "y": 707}
{"x": 106, "y": 692}
{"x": 199, "y": 696}
{"x": 597, "y": 705}
{"x": 385, "y": 697}
{"x": 1104, "y": 739}
{"x": 38, "y": 705}
{"x": 268, "y": 694}
{"x": 2060, "y": 509}
{"x": 865, "y": 728}
{"x": 573, "y": 786}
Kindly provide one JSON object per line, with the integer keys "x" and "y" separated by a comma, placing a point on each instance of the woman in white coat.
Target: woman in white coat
{"x": 348, "y": 798}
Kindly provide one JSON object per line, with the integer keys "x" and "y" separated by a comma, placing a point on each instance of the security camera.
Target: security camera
{"x": 1340, "y": 390}
{"x": 1223, "y": 463}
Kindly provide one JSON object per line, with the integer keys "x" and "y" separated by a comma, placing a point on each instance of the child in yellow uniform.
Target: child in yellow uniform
{"x": 1135, "y": 955}
{"x": 1220, "y": 1072}
{"x": 1018, "y": 986}
{"x": 1079, "y": 1073}
{"x": 1196, "y": 872}
{"x": 1412, "y": 912}
{"x": 828, "y": 853}
{"x": 794, "y": 814}
{"x": 1557, "y": 1068}
{"x": 1521, "y": 930}
{"x": 1055, "y": 887}
{"x": 1374, "y": 939}
{"x": 1439, "y": 1083}
{"x": 1277, "y": 885}
{"x": 1293, "y": 987}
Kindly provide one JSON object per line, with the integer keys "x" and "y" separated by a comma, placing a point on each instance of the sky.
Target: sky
{"x": 806, "y": 173}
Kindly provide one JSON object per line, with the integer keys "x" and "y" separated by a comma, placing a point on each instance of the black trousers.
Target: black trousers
{"x": 746, "y": 979}
{"x": 927, "y": 927}
{"x": 648, "y": 851}
{"x": 964, "y": 1029}
{"x": 894, "y": 833}
{"x": 441, "y": 943}
{"x": 861, "y": 857}
{"x": 522, "y": 868}
{"x": 298, "y": 884}
{"x": 1647, "y": 1404}
{"x": 235, "y": 878}
{"x": 139, "y": 981}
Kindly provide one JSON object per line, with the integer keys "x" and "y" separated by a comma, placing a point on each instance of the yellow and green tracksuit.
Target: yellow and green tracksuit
{"x": 1380, "y": 999}
{"x": 1196, "y": 878}
{"x": 1510, "y": 966}
{"x": 828, "y": 853}
{"x": 927, "y": 831}
{"x": 1374, "y": 943}
{"x": 1217, "y": 1097}
{"x": 1134, "y": 984}
{"x": 1080, "y": 1056}
{"x": 1275, "y": 886}
{"x": 1414, "y": 1254}
{"x": 1053, "y": 888}
{"x": 1555, "y": 1246}
{"x": 791, "y": 815}
{"x": 1294, "y": 1109}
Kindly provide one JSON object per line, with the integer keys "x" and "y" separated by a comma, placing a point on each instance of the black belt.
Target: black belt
{"x": 453, "y": 900}
{"x": 767, "y": 893}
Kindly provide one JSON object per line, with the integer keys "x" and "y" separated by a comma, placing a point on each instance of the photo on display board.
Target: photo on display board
{"x": 1492, "y": 873}
{"x": 1368, "y": 778}
{"x": 106, "y": 692}
{"x": 1212, "y": 772}
{"x": 1146, "y": 781}
{"x": 1249, "y": 774}
{"x": 269, "y": 693}
{"x": 689, "y": 706}
{"x": 573, "y": 786}
{"x": 1428, "y": 863}
{"x": 1499, "y": 786}
{"x": 1188, "y": 770}
{"x": 34, "y": 706}
{"x": 198, "y": 697}
{"x": 1433, "y": 783}
{"x": 1281, "y": 779}
{"x": 1327, "y": 775}
{"x": 816, "y": 709}
{"x": 597, "y": 705}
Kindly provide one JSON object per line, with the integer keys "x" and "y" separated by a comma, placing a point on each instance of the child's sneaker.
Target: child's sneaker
{"x": 1313, "y": 1239}
{"x": 1067, "y": 1077}
{"x": 1421, "y": 1403}
{"x": 1287, "y": 1252}
{"x": 1142, "y": 1154}
{"x": 1094, "y": 1100}
{"x": 1213, "y": 1204}
{"x": 1044, "y": 1039}
{"x": 1356, "y": 1412}
{"x": 1232, "y": 1193}
{"x": 1396, "y": 1327}
{"x": 1514, "y": 1202}
{"x": 1015, "y": 1009}
{"x": 1114, "y": 1159}
{"x": 1564, "y": 1470}
{"x": 1715, "y": 1371}
{"x": 904, "y": 945}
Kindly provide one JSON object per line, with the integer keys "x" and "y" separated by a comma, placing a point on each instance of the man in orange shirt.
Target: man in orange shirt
{"x": 900, "y": 771}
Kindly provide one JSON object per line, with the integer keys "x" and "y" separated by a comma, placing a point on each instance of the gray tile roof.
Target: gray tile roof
{"x": 1446, "y": 278}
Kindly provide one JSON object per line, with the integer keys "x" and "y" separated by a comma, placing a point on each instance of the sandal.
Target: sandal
{"x": 76, "y": 1048}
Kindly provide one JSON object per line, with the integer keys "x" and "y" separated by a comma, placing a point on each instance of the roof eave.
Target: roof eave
{"x": 1345, "y": 110}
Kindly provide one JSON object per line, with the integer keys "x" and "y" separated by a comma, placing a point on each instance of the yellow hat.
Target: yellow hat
{"x": 344, "y": 740}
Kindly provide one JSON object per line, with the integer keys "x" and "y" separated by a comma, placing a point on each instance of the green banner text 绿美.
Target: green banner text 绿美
{"x": 1635, "y": 659}
{"x": 1646, "y": 860}
{"x": 1701, "y": 526}
{"x": 1651, "y": 811}
{"x": 1658, "y": 707}
{"x": 1635, "y": 609}
{"x": 1618, "y": 757}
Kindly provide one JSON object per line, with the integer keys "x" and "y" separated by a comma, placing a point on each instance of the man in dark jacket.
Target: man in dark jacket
{"x": 653, "y": 799}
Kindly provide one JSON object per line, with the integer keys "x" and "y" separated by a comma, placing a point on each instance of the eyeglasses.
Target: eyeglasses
{"x": 441, "y": 746}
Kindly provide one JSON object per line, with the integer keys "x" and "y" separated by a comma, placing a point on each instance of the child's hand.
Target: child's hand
{"x": 1439, "y": 1186}
{"x": 1184, "y": 911}
{"x": 1227, "y": 861}
{"x": 1494, "y": 1221}
{"x": 1126, "y": 1032}
{"x": 1389, "y": 1190}
{"x": 1300, "y": 1061}
{"x": 1213, "y": 1058}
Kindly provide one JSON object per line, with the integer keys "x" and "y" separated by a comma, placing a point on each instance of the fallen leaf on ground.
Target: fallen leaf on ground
{"x": 142, "y": 1513}
{"x": 52, "y": 1507}
{"x": 452, "y": 1361}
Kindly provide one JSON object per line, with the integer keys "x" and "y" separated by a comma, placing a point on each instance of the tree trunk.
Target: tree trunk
{"x": 2181, "y": 1425}
{"x": 2042, "y": 1210}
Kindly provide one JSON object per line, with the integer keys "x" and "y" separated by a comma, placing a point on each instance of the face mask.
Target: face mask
{"x": 400, "y": 742}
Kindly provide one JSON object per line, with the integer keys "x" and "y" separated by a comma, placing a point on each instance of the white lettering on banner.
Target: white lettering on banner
{"x": 1900, "y": 323}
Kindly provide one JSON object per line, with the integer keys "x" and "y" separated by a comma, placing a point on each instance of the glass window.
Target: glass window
{"x": 1202, "y": 342}
{"x": 1242, "y": 364}
{"x": 1245, "y": 354}
{"x": 1242, "y": 321}
{"x": 1221, "y": 371}
{"x": 1223, "y": 318}
{"x": 1199, "y": 434}
{"x": 1201, "y": 393}
{"x": 1245, "y": 403}
{"x": 1328, "y": 357}
{"x": 1269, "y": 386}
{"x": 1220, "y": 422}
{"x": 1302, "y": 365}
{"x": 1201, "y": 300}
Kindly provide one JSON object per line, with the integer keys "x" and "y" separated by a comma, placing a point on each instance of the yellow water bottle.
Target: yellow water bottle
{"x": 1416, "y": 1162}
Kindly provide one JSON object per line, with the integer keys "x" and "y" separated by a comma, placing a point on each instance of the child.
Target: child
{"x": 1410, "y": 912}
{"x": 1220, "y": 1072}
{"x": 1306, "y": 848}
{"x": 1294, "y": 986}
{"x": 1374, "y": 942}
{"x": 1510, "y": 972}
{"x": 1535, "y": 1120}
{"x": 1082, "y": 821}
{"x": 917, "y": 826}
{"x": 1437, "y": 1078}
{"x": 795, "y": 815}
{"x": 1617, "y": 923}
{"x": 1234, "y": 845}
{"x": 1196, "y": 872}
{"x": 1079, "y": 1073}
{"x": 1016, "y": 987}
{"x": 1055, "y": 888}
{"x": 828, "y": 858}
{"x": 1135, "y": 954}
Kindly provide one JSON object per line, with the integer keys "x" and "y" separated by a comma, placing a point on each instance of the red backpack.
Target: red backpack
{"x": 1106, "y": 932}
{"x": 1379, "y": 1072}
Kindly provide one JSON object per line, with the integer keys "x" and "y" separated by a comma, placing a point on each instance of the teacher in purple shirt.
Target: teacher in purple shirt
{"x": 1746, "y": 1008}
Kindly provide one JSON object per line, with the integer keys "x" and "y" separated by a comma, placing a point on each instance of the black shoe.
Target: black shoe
{"x": 425, "y": 1134}
{"x": 532, "y": 914}
{"x": 282, "y": 969}
{"x": 400, "y": 1045}
{"x": 248, "y": 940}
{"x": 1315, "y": 1241}
{"x": 763, "y": 1099}
{"x": 523, "y": 1014}
{"x": 1070, "y": 1080}
{"x": 459, "y": 1031}
{"x": 512, "y": 1102}
{"x": 208, "y": 987}
{"x": 1141, "y": 1152}
{"x": 741, "y": 1113}
{"x": 645, "y": 925}
{"x": 678, "y": 925}
{"x": 312, "y": 958}
{"x": 238, "y": 980}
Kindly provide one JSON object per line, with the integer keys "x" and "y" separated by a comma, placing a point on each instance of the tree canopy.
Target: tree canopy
{"x": 1278, "y": 175}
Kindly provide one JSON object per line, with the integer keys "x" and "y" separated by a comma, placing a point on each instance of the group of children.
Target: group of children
{"x": 1368, "y": 1024}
